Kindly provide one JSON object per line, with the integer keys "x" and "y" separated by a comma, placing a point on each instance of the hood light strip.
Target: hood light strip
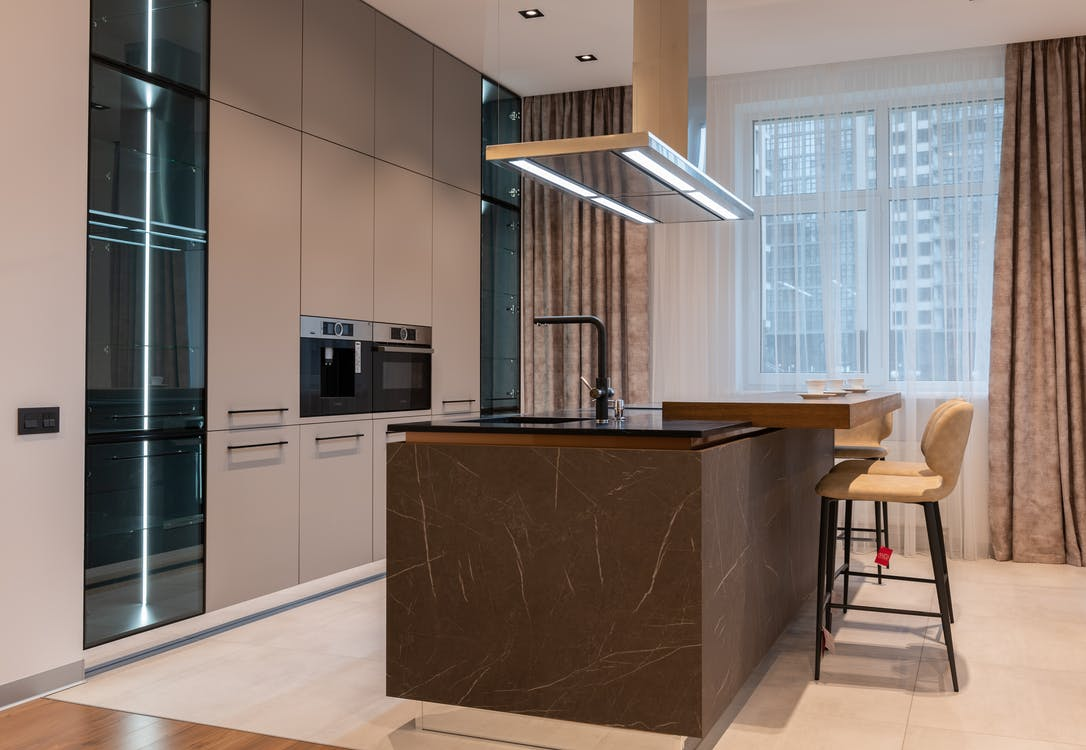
{"x": 553, "y": 177}
{"x": 576, "y": 188}
{"x": 626, "y": 211}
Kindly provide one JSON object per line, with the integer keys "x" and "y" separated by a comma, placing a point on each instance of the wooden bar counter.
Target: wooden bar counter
{"x": 788, "y": 409}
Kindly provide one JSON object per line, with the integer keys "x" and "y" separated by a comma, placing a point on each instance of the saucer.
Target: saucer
{"x": 857, "y": 390}
{"x": 816, "y": 396}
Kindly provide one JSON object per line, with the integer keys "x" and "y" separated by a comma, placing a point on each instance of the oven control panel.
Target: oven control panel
{"x": 314, "y": 327}
{"x": 393, "y": 333}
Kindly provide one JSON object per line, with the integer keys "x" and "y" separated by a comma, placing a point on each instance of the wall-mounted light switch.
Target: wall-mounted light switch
{"x": 39, "y": 419}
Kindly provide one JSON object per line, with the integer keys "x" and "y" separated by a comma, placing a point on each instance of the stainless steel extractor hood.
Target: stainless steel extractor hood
{"x": 643, "y": 176}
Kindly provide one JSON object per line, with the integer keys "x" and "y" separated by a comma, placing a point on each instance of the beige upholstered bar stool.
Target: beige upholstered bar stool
{"x": 925, "y": 484}
{"x": 865, "y": 441}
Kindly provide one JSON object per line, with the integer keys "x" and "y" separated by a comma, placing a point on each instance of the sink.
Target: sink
{"x": 531, "y": 420}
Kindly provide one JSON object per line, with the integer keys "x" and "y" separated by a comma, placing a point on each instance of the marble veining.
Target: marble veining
{"x": 630, "y": 588}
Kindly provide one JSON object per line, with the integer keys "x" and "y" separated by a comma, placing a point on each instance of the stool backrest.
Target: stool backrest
{"x": 868, "y": 433}
{"x": 945, "y": 438}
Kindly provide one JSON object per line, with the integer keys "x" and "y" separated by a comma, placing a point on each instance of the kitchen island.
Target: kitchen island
{"x": 626, "y": 575}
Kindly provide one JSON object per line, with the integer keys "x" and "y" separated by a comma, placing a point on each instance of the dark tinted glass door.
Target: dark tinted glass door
{"x": 166, "y": 38}
{"x": 401, "y": 380}
{"x": 147, "y": 255}
{"x": 144, "y": 535}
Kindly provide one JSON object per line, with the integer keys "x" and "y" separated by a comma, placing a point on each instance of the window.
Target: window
{"x": 871, "y": 227}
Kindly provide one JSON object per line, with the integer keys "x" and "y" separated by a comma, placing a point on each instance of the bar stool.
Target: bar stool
{"x": 925, "y": 484}
{"x": 865, "y": 442}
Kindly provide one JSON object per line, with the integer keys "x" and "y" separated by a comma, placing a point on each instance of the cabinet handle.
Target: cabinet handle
{"x": 191, "y": 413}
{"x": 257, "y": 411}
{"x": 255, "y": 445}
{"x": 403, "y": 349}
{"x": 155, "y": 455}
{"x": 341, "y": 437}
{"x": 458, "y": 401}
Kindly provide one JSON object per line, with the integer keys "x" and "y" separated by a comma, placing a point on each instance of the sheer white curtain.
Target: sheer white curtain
{"x": 874, "y": 186}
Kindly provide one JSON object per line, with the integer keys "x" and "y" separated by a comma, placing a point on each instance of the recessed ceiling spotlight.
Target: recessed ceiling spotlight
{"x": 587, "y": 58}
{"x": 531, "y": 13}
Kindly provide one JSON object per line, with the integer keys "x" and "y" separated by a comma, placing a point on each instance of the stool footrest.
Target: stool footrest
{"x": 888, "y": 610}
{"x": 855, "y": 528}
{"x": 865, "y": 574}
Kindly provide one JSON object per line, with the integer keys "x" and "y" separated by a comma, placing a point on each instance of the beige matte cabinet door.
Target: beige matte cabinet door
{"x": 403, "y": 243}
{"x": 404, "y": 98}
{"x": 252, "y": 514}
{"x": 252, "y": 309}
{"x": 337, "y": 231}
{"x": 456, "y": 301}
{"x": 337, "y": 72}
{"x": 457, "y": 122}
{"x": 336, "y": 531}
{"x": 256, "y": 58}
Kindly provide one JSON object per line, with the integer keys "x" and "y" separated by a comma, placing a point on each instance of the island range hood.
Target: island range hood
{"x": 644, "y": 176}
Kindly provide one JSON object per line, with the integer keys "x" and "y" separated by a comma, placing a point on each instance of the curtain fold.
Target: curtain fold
{"x": 1037, "y": 433}
{"x": 578, "y": 259}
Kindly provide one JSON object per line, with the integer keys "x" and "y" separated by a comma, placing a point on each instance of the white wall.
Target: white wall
{"x": 43, "y": 200}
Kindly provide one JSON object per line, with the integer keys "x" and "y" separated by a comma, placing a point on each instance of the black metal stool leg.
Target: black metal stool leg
{"x": 820, "y": 589}
{"x": 942, "y": 551}
{"x": 886, "y": 527}
{"x": 831, "y": 561}
{"x": 879, "y": 531}
{"x": 848, "y": 552}
{"x": 939, "y": 568}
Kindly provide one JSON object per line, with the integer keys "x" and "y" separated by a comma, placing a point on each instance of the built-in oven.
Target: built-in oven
{"x": 401, "y": 367}
{"x": 336, "y": 366}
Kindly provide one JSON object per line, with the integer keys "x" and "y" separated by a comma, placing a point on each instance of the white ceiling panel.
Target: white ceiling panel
{"x": 537, "y": 56}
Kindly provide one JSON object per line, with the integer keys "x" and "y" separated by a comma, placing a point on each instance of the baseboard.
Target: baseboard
{"x": 39, "y": 684}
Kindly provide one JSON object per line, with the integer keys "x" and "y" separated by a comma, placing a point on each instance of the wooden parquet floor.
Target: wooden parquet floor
{"x": 45, "y": 724}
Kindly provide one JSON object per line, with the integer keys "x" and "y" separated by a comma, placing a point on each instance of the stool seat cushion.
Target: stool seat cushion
{"x": 858, "y": 451}
{"x": 890, "y": 468}
{"x": 849, "y": 484}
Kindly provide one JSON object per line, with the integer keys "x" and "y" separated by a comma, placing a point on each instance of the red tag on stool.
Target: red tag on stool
{"x": 883, "y": 556}
{"x": 828, "y": 643}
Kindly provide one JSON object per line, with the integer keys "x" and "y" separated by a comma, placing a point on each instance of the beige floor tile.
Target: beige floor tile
{"x": 1032, "y": 704}
{"x": 1018, "y": 574}
{"x": 1020, "y": 601}
{"x": 112, "y": 688}
{"x": 858, "y": 680}
{"x": 924, "y": 738}
{"x": 813, "y": 733}
{"x": 1013, "y": 642}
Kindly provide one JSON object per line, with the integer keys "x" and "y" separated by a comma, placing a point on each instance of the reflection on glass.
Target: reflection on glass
{"x": 500, "y": 315}
{"x": 167, "y": 38}
{"x": 147, "y": 255}
{"x": 501, "y": 124}
{"x": 144, "y": 536}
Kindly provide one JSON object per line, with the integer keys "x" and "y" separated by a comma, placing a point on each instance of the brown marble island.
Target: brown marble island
{"x": 625, "y": 575}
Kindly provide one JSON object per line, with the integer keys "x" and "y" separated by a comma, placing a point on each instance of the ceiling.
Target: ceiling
{"x": 537, "y": 56}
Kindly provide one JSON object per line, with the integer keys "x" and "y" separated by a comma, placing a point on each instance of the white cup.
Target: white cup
{"x": 856, "y": 383}
{"x": 835, "y": 384}
{"x": 816, "y": 386}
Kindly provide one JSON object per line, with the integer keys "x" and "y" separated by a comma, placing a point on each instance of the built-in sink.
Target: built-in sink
{"x": 519, "y": 419}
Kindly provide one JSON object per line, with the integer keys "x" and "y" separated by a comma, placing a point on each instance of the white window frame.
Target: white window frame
{"x": 875, "y": 201}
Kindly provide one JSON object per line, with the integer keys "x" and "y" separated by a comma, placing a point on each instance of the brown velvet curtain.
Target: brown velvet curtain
{"x": 1037, "y": 428}
{"x": 580, "y": 260}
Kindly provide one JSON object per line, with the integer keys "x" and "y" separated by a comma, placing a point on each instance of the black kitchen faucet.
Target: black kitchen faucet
{"x": 602, "y": 390}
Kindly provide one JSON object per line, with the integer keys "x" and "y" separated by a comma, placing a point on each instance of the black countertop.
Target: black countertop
{"x": 638, "y": 423}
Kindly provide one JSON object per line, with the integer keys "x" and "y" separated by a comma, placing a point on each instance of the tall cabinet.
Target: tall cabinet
{"x": 344, "y": 184}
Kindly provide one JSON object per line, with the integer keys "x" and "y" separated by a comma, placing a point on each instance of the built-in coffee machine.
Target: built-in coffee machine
{"x": 336, "y": 366}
